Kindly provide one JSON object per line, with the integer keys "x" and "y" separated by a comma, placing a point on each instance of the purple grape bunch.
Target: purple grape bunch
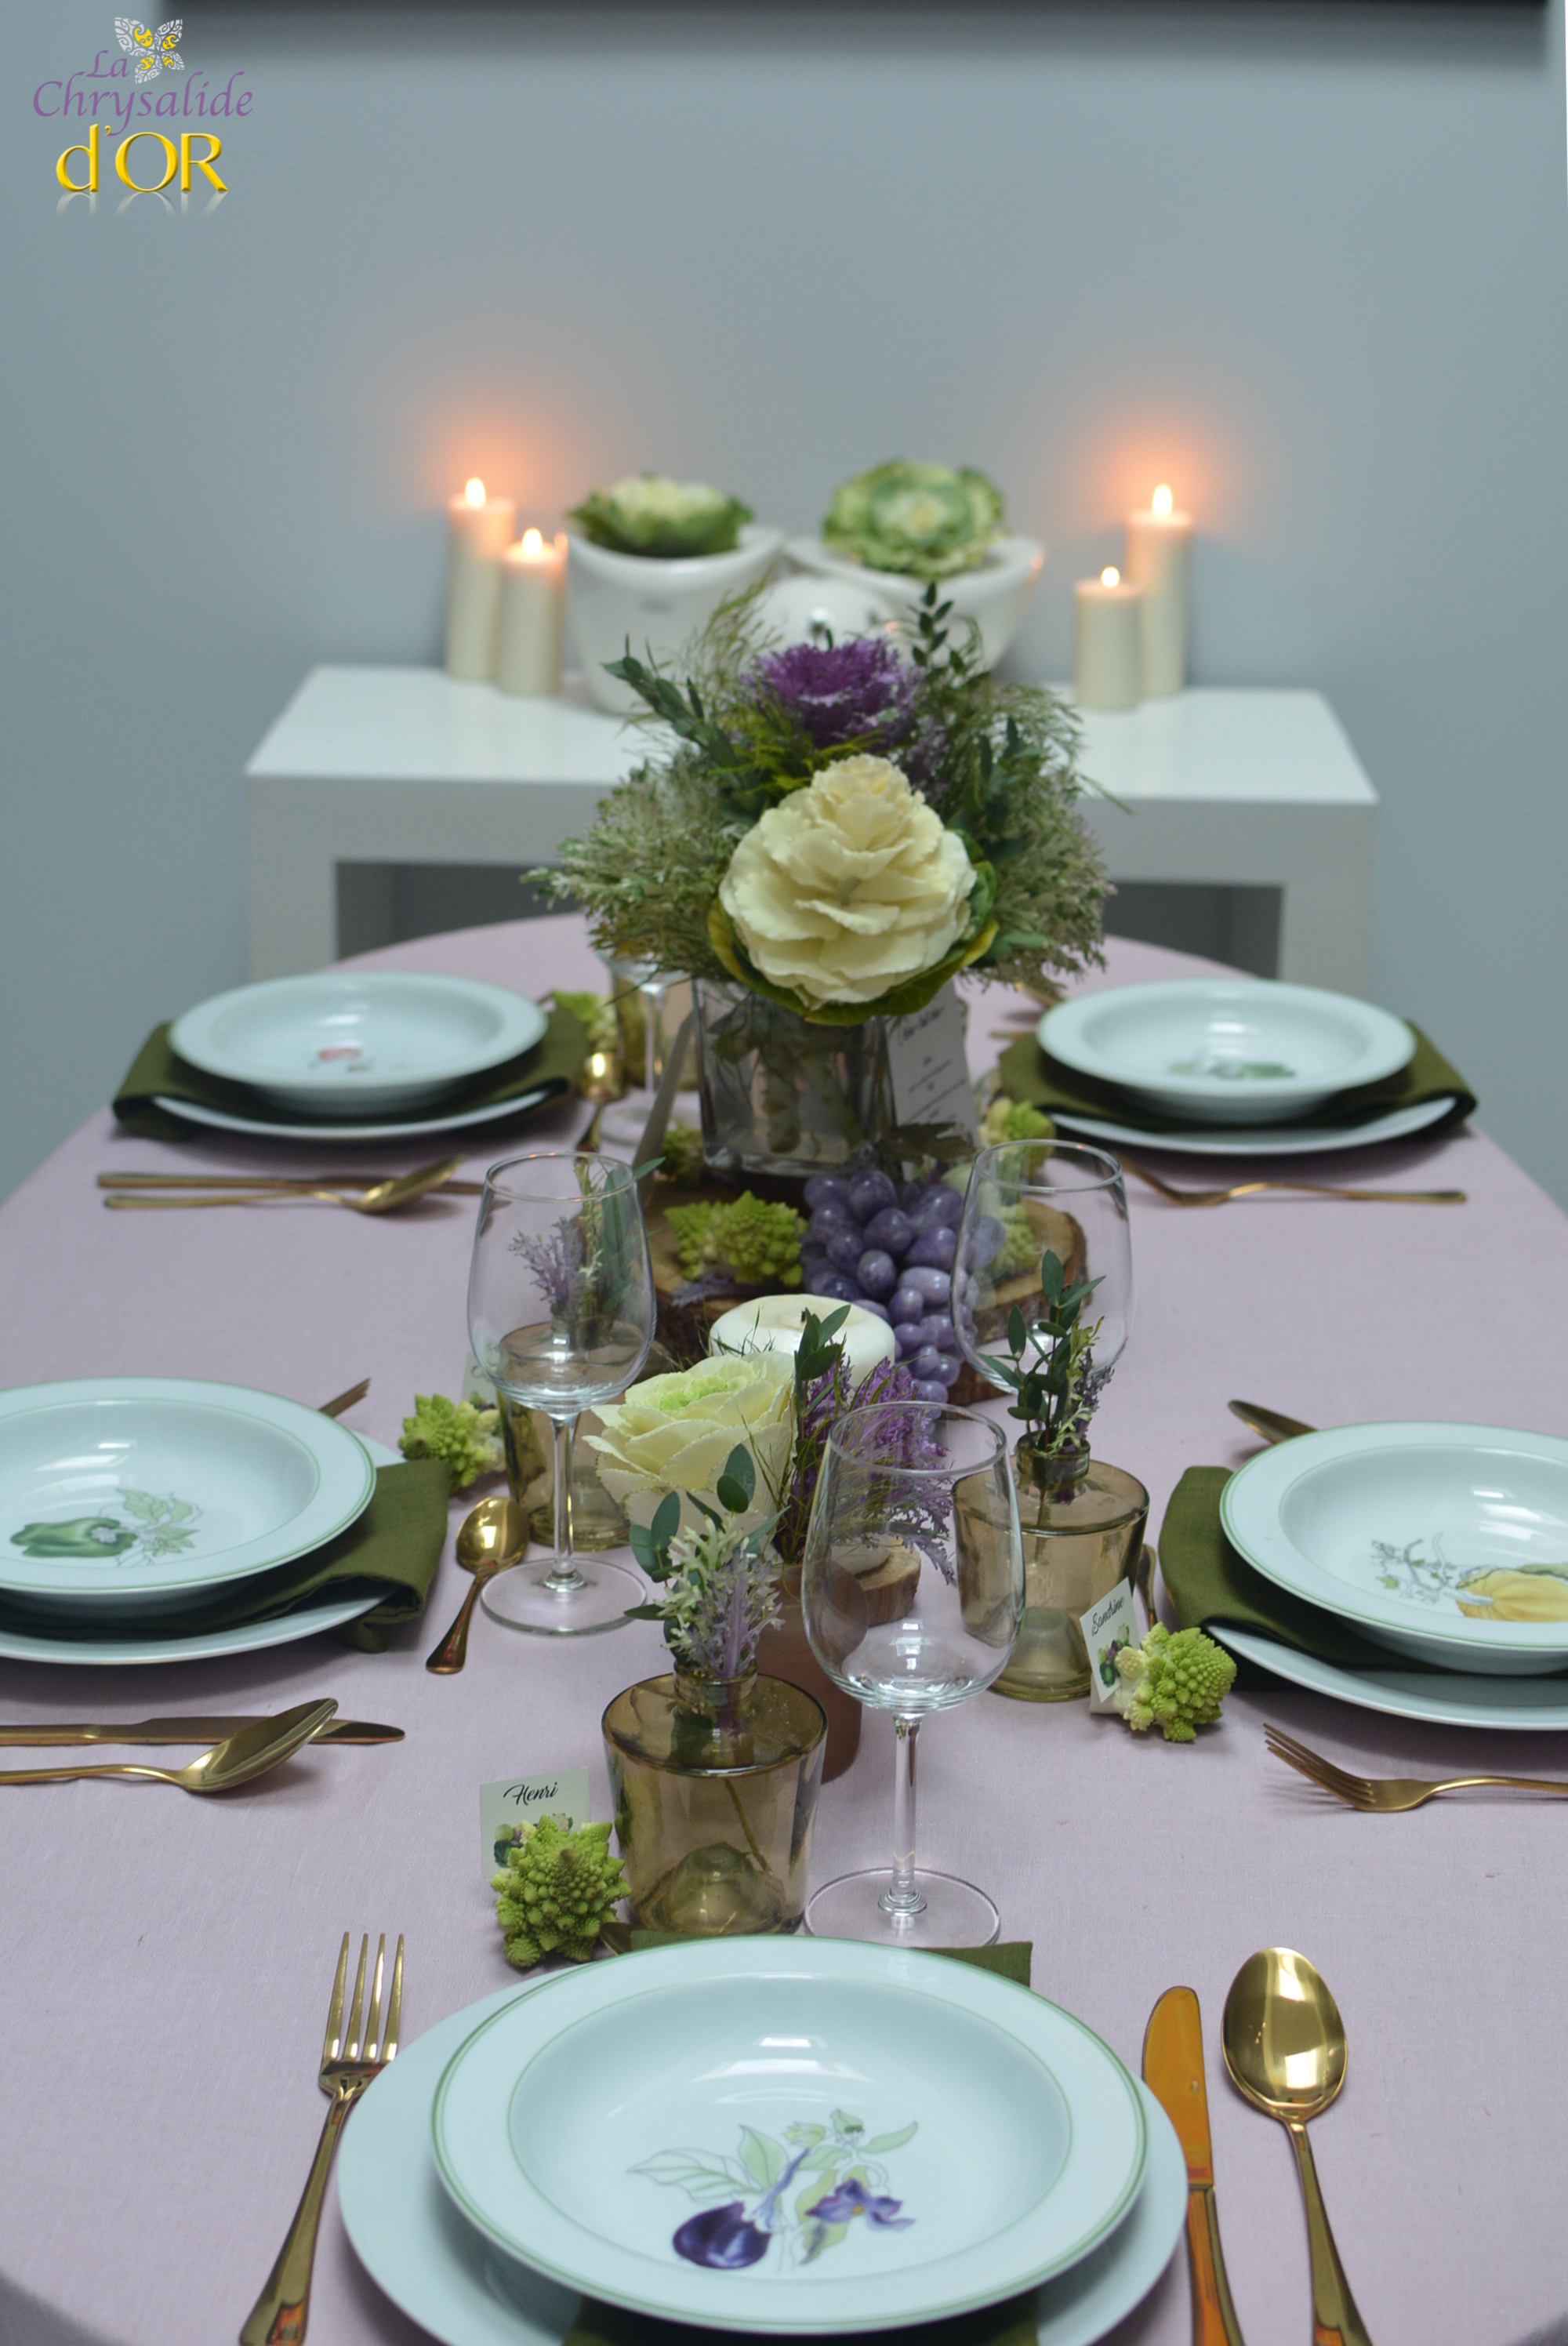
{"x": 889, "y": 1248}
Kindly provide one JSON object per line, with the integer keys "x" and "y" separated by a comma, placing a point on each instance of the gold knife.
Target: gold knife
{"x": 1172, "y": 2072}
{"x": 185, "y": 1731}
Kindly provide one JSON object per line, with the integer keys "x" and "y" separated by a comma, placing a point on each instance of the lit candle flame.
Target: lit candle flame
{"x": 1163, "y": 501}
{"x": 1110, "y": 577}
{"x": 533, "y": 545}
{"x": 475, "y": 492}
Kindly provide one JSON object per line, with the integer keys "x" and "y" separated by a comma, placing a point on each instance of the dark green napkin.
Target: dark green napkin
{"x": 1011, "y": 2324}
{"x": 391, "y": 1553}
{"x": 1209, "y": 1583}
{"x": 1029, "y": 1074}
{"x": 555, "y": 1061}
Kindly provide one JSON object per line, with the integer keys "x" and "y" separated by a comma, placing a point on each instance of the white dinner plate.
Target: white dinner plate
{"x": 447, "y": 2277}
{"x": 1263, "y": 1140}
{"x": 246, "y": 1637}
{"x": 1445, "y": 1697}
{"x": 338, "y": 1135}
{"x": 357, "y": 1043}
{"x": 123, "y": 1497}
{"x": 758, "y": 2134}
{"x": 1448, "y": 1542}
{"x": 1226, "y": 1050}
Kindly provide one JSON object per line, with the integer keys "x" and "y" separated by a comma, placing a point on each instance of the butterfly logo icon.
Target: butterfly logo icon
{"x": 152, "y": 51}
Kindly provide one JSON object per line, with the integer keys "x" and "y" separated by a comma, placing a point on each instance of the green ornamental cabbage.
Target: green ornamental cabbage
{"x": 923, "y": 520}
{"x": 649, "y": 514}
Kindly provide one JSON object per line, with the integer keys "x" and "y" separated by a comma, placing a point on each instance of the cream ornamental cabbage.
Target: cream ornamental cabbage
{"x": 849, "y": 887}
{"x": 675, "y": 1433}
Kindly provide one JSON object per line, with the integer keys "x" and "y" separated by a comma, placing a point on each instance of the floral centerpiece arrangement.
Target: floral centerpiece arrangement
{"x": 825, "y": 835}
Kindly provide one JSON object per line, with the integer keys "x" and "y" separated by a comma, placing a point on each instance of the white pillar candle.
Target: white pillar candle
{"x": 532, "y": 613}
{"x": 1159, "y": 560}
{"x": 479, "y": 528}
{"x": 1108, "y": 668}
{"x": 773, "y": 1323}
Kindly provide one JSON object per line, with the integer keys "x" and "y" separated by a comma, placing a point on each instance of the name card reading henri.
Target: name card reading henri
{"x": 523, "y": 1800}
{"x": 929, "y": 1066}
{"x": 1107, "y": 1627}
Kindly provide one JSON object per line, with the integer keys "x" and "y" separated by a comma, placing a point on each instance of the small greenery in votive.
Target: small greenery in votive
{"x": 1176, "y": 1682}
{"x": 1057, "y": 1390}
{"x": 720, "y": 1580}
{"x": 458, "y": 1431}
{"x": 557, "y": 1890}
{"x": 649, "y": 514}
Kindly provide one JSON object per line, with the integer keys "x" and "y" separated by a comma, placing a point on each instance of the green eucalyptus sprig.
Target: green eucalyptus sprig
{"x": 1055, "y": 1390}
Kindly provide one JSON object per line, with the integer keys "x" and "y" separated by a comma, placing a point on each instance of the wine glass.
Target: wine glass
{"x": 912, "y": 1590}
{"x": 1027, "y": 1197}
{"x": 561, "y": 1318}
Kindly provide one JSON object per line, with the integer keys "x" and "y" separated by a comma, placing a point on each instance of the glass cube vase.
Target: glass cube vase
{"x": 782, "y": 1096}
{"x": 1082, "y": 1524}
{"x": 715, "y": 1784}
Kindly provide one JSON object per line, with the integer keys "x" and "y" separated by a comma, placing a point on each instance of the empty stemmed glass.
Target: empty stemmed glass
{"x": 913, "y": 1589}
{"x": 561, "y": 1318}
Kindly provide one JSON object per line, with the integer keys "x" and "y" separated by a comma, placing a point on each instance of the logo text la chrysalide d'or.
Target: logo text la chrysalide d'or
{"x": 109, "y": 99}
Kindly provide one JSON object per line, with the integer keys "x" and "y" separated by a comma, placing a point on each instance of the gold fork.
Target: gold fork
{"x": 1311, "y": 1188}
{"x": 350, "y": 2057}
{"x": 1386, "y": 1795}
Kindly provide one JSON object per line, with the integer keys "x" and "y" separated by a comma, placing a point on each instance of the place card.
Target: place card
{"x": 521, "y": 1801}
{"x": 1107, "y": 1627}
{"x": 929, "y": 1069}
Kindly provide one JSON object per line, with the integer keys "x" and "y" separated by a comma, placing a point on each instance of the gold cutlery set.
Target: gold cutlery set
{"x": 1285, "y": 2052}
{"x": 362, "y": 1193}
{"x": 245, "y": 1747}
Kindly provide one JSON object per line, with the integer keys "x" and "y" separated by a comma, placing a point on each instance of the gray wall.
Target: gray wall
{"x": 1306, "y": 264}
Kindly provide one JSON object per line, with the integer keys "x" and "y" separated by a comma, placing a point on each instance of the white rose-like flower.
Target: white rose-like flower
{"x": 849, "y": 887}
{"x": 676, "y": 1433}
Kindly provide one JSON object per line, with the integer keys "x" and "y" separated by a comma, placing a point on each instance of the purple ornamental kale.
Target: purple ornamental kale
{"x": 841, "y": 692}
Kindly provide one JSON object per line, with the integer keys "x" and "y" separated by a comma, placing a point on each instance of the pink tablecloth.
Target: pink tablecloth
{"x": 165, "y": 1960}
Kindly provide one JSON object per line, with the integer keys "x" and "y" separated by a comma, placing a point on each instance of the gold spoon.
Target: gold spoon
{"x": 1271, "y": 1423}
{"x": 490, "y": 1536}
{"x": 381, "y": 1197}
{"x": 1285, "y": 2049}
{"x": 233, "y": 1761}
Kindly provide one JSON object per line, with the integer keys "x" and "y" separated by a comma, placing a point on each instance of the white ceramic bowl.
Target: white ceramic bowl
{"x": 799, "y": 610}
{"x": 657, "y": 603}
{"x": 1222, "y": 1050}
{"x": 357, "y": 1044}
{"x": 994, "y": 594}
{"x": 123, "y": 1497}
{"x": 1448, "y": 1542}
{"x": 677, "y": 2132}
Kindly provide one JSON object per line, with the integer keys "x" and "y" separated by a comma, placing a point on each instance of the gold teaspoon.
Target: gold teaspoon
{"x": 235, "y": 1760}
{"x": 1284, "y": 2050}
{"x": 490, "y": 1536}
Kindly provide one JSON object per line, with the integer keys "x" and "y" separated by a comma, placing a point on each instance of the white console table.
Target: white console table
{"x": 396, "y": 765}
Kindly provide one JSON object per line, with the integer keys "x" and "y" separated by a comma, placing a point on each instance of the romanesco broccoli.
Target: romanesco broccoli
{"x": 1011, "y": 1119}
{"x": 758, "y": 1243}
{"x": 1180, "y": 1681}
{"x": 1020, "y": 1247}
{"x": 456, "y": 1430}
{"x": 557, "y": 1890}
{"x": 683, "y": 1159}
{"x": 597, "y": 1013}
